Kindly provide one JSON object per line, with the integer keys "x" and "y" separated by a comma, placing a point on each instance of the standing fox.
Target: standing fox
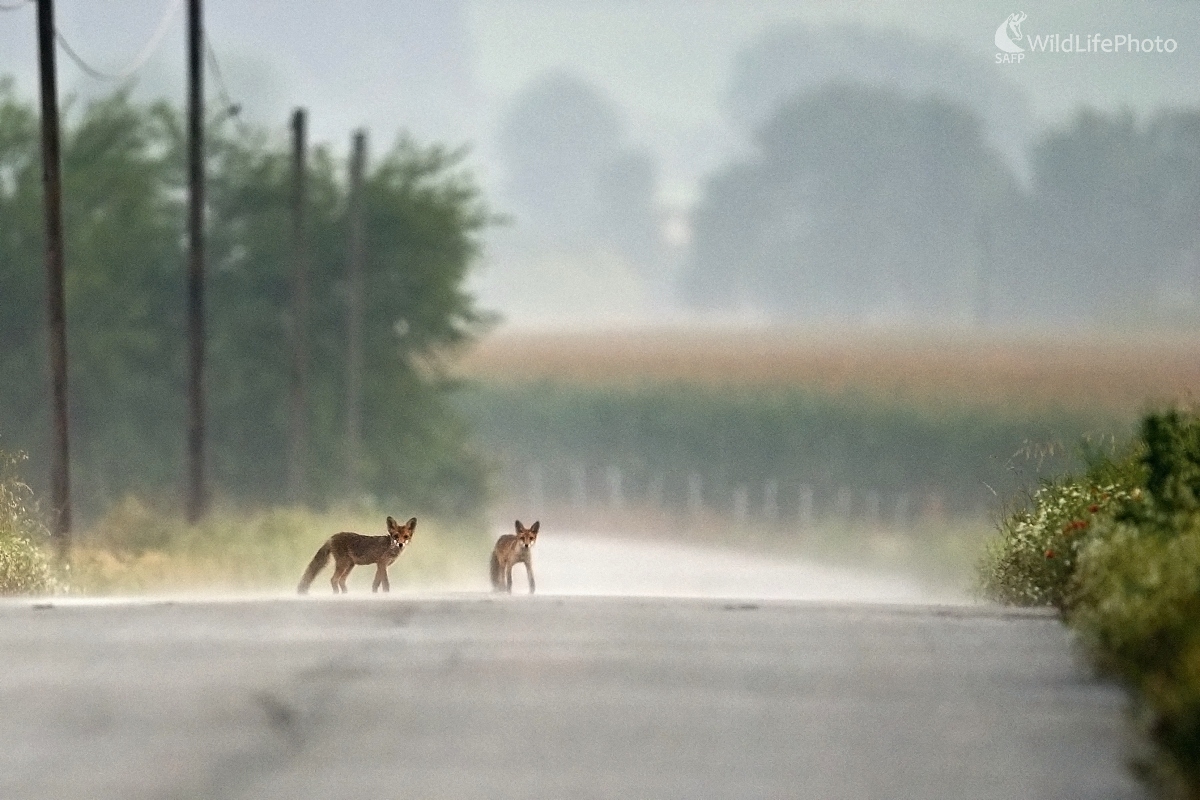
{"x": 511, "y": 550}
{"x": 349, "y": 549}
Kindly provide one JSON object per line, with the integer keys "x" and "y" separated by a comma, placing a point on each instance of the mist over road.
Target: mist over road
{"x": 482, "y": 696}
{"x": 599, "y": 564}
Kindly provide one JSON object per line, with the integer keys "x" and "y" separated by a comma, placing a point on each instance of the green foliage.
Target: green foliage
{"x": 1128, "y": 580}
{"x": 1109, "y": 217}
{"x": 1033, "y": 559}
{"x": 124, "y": 190}
{"x": 819, "y": 223}
{"x": 24, "y": 566}
{"x": 915, "y": 215}
{"x": 732, "y": 437}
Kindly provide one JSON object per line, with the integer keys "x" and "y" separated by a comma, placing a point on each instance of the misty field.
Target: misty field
{"x": 1080, "y": 371}
{"x": 865, "y": 447}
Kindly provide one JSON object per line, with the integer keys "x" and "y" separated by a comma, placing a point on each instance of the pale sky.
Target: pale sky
{"x": 447, "y": 68}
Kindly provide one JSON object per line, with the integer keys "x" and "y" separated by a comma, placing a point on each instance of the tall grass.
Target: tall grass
{"x": 25, "y": 566}
{"x": 137, "y": 548}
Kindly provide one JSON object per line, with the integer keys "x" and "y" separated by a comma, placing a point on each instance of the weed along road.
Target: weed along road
{"x": 479, "y": 696}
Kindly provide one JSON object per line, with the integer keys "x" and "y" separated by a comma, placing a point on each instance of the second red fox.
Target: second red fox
{"x": 511, "y": 550}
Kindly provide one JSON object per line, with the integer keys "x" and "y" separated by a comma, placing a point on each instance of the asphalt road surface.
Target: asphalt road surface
{"x": 471, "y": 695}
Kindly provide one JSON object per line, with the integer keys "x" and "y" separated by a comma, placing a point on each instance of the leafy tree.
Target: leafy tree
{"x": 1109, "y": 227}
{"x": 572, "y": 176}
{"x": 124, "y": 187}
{"x": 857, "y": 201}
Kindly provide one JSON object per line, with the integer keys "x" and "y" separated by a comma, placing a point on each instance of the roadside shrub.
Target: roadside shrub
{"x": 24, "y": 565}
{"x": 1032, "y": 561}
{"x": 1136, "y": 604}
{"x": 1126, "y": 573}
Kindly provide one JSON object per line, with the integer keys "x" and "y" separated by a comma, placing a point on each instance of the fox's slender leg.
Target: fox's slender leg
{"x": 508, "y": 577}
{"x": 381, "y": 579}
{"x": 529, "y": 572}
{"x": 339, "y": 576}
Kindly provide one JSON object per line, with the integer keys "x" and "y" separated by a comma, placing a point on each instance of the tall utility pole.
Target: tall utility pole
{"x": 56, "y": 307}
{"x": 354, "y": 314}
{"x": 298, "y": 452}
{"x": 197, "y": 493}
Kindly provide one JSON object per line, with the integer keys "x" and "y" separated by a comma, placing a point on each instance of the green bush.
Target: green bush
{"x": 1033, "y": 560}
{"x": 1120, "y": 556}
{"x": 24, "y": 565}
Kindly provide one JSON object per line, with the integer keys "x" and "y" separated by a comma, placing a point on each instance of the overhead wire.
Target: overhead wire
{"x": 147, "y": 52}
{"x": 150, "y": 48}
{"x": 231, "y": 108}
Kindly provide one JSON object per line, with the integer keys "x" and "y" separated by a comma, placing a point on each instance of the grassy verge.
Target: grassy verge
{"x": 25, "y": 567}
{"x": 1117, "y": 549}
{"x": 135, "y": 548}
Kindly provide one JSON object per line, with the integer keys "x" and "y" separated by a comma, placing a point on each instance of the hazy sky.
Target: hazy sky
{"x": 447, "y": 68}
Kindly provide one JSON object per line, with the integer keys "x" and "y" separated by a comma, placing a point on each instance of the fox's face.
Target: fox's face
{"x": 400, "y": 533}
{"x": 527, "y": 536}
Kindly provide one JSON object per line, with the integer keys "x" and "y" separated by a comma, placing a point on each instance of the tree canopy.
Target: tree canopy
{"x": 124, "y": 192}
{"x": 861, "y": 202}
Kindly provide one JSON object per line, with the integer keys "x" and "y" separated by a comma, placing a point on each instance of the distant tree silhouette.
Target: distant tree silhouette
{"x": 857, "y": 201}
{"x": 570, "y": 176}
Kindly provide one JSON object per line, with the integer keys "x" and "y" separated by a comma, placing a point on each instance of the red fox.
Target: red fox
{"x": 349, "y": 549}
{"x": 511, "y": 550}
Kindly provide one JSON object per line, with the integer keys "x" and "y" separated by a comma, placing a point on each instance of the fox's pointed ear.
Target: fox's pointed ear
{"x": 534, "y": 527}
{"x": 392, "y": 525}
{"x": 411, "y": 524}
{"x": 520, "y": 527}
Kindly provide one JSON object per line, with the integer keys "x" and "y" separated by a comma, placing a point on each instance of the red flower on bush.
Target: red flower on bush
{"x": 1074, "y": 525}
{"x": 1049, "y": 554}
{"x": 1093, "y": 508}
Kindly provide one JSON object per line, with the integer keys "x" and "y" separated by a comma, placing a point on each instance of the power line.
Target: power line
{"x": 232, "y": 108}
{"x": 138, "y": 62}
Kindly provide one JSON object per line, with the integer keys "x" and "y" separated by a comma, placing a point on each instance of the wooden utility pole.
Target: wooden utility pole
{"x": 197, "y": 493}
{"x": 56, "y": 307}
{"x": 354, "y": 314}
{"x": 298, "y": 452}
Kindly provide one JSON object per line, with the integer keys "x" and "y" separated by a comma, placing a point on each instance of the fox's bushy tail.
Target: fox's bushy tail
{"x": 316, "y": 565}
{"x": 497, "y": 573}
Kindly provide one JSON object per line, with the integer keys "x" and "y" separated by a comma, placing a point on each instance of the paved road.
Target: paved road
{"x": 474, "y": 696}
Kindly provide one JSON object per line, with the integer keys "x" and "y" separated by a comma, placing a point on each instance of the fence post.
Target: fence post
{"x": 579, "y": 493}
{"x": 900, "y": 519}
{"x": 871, "y": 508}
{"x": 741, "y": 504}
{"x": 843, "y": 504}
{"x": 806, "y": 507}
{"x": 655, "y": 492}
{"x": 771, "y": 501}
{"x": 616, "y": 493}
{"x": 695, "y": 494}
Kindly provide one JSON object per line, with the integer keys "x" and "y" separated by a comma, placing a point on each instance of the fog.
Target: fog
{"x": 840, "y": 178}
{"x": 615, "y": 137}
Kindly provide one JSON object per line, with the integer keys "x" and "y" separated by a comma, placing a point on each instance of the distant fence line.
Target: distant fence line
{"x": 771, "y": 502}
